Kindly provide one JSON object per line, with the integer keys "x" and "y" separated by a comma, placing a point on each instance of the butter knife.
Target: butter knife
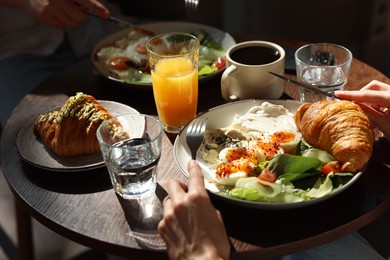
{"x": 125, "y": 23}
{"x": 303, "y": 85}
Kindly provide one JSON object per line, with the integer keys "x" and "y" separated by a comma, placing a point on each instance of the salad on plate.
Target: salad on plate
{"x": 261, "y": 157}
{"x": 126, "y": 58}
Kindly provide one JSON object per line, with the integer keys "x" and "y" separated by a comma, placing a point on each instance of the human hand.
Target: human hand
{"x": 374, "y": 99}
{"x": 63, "y": 14}
{"x": 191, "y": 227}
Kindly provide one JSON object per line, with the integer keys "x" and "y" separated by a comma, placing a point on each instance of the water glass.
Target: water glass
{"x": 131, "y": 148}
{"x": 173, "y": 59}
{"x": 324, "y": 66}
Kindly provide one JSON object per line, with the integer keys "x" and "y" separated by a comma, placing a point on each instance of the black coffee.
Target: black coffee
{"x": 255, "y": 55}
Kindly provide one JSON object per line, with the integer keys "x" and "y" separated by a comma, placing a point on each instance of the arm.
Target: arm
{"x": 191, "y": 227}
{"x": 374, "y": 99}
{"x": 60, "y": 14}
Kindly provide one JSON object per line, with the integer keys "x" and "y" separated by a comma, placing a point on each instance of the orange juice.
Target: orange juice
{"x": 175, "y": 88}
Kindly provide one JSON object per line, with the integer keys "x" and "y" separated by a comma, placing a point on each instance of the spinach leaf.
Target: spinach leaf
{"x": 294, "y": 164}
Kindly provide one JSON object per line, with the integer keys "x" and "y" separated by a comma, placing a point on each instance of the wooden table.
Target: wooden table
{"x": 83, "y": 207}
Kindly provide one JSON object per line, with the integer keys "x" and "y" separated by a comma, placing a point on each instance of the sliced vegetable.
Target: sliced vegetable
{"x": 260, "y": 167}
{"x": 331, "y": 167}
{"x": 220, "y": 63}
{"x": 206, "y": 70}
{"x": 318, "y": 154}
{"x": 321, "y": 189}
{"x": 253, "y": 189}
{"x": 141, "y": 48}
{"x": 299, "y": 179}
{"x": 119, "y": 63}
{"x": 267, "y": 175}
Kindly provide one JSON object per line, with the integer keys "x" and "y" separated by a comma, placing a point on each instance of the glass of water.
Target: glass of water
{"x": 324, "y": 66}
{"x": 131, "y": 147}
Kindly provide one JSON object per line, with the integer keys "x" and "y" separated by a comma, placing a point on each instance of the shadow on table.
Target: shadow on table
{"x": 80, "y": 182}
{"x": 143, "y": 216}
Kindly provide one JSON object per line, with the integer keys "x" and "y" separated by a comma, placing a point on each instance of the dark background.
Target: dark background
{"x": 363, "y": 26}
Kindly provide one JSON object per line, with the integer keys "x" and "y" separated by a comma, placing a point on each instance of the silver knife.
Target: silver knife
{"x": 125, "y": 23}
{"x": 303, "y": 85}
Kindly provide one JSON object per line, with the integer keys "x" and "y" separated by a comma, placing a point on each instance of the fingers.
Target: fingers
{"x": 67, "y": 13}
{"x": 179, "y": 210}
{"x": 376, "y": 85}
{"x": 64, "y": 14}
{"x": 219, "y": 215}
{"x": 176, "y": 190}
{"x": 95, "y": 7}
{"x": 367, "y": 96}
{"x": 168, "y": 227}
{"x": 60, "y": 14}
{"x": 70, "y": 13}
{"x": 196, "y": 179}
{"x": 378, "y": 118}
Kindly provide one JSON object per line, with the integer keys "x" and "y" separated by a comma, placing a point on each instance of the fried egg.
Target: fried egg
{"x": 136, "y": 51}
{"x": 129, "y": 49}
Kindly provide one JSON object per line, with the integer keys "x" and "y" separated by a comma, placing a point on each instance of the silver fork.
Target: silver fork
{"x": 195, "y": 134}
{"x": 191, "y": 5}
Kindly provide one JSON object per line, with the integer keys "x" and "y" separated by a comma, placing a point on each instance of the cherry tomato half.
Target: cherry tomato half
{"x": 220, "y": 63}
{"x": 141, "y": 48}
{"x": 334, "y": 167}
{"x": 267, "y": 175}
{"x": 119, "y": 63}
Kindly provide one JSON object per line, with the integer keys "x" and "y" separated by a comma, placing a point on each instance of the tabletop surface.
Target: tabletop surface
{"x": 83, "y": 207}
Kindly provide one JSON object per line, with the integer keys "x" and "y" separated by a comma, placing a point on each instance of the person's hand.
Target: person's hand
{"x": 374, "y": 99}
{"x": 191, "y": 227}
{"x": 63, "y": 14}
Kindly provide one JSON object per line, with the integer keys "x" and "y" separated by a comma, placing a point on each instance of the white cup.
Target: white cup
{"x": 247, "y": 71}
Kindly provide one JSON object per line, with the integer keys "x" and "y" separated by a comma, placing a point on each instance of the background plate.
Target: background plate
{"x": 34, "y": 152}
{"x": 161, "y": 27}
{"x": 222, "y": 116}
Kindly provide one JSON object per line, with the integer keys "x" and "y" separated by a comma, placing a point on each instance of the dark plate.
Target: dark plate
{"x": 33, "y": 151}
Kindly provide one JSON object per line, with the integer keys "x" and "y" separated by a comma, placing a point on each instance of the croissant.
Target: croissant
{"x": 71, "y": 131}
{"x": 339, "y": 127}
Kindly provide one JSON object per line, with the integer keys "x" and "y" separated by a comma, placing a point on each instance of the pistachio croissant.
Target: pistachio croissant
{"x": 71, "y": 131}
{"x": 340, "y": 128}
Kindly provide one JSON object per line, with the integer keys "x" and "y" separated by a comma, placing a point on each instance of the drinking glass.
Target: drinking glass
{"x": 131, "y": 148}
{"x": 173, "y": 59}
{"x": 324, "y": 66}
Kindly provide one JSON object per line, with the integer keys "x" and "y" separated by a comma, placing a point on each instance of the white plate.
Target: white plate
{"x": 222, "y": 116}
{"x": 161, "y": 27}
{"x": 33, "y": 151}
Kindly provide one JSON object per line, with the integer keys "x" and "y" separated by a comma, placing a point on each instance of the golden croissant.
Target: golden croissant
{"x": 71, "y": 131}
{"x": 339, "y": 127}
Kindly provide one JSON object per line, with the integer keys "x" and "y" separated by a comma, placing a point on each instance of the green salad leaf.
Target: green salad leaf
{"x": 205, "y": 39}
{"x": 206, "y": 70}
{"x": 209, "y": 51}
{"x": 294, "y": 165}
{"x": 299, "y": 178}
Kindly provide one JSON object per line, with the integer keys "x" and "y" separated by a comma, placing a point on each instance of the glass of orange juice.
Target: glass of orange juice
{"x": 173, "y": 59}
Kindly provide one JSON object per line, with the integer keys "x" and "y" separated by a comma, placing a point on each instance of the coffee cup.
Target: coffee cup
{"x": 247, "y": 71}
